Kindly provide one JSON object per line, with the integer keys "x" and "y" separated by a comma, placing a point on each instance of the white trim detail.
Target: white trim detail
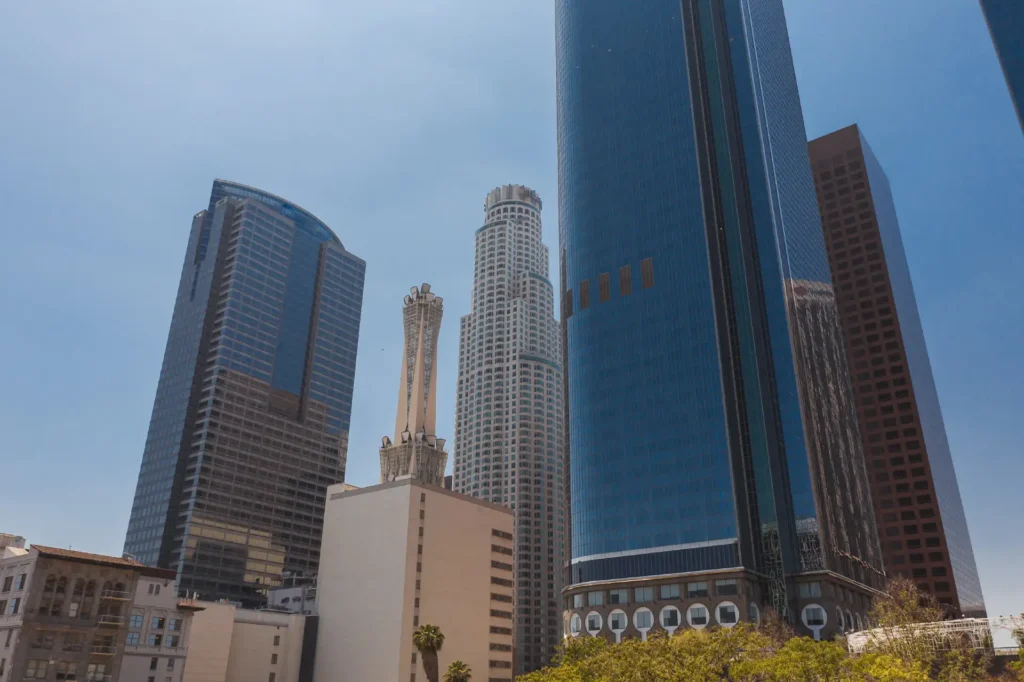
{"x": 658, "y": 550}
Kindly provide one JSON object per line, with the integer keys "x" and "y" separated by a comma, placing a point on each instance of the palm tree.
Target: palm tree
{"x": 429, "y": 639}
{"x": 458, "y": 672}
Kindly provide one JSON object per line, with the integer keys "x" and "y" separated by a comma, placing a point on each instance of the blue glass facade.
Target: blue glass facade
{"x": 1006, "y": 24}
{"x": 686, "y": 200}
{"x": 250, "y": 423}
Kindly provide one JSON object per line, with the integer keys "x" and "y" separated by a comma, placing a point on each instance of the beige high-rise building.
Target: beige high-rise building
{"x": 509, "y": 412}
{"x": 406, "y": 553}
{"x": 416, "y": 450}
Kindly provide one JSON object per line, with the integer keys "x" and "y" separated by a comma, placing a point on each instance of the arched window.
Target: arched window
{"x": 75, "y": 607}
{"x": 47, "y": 597}
{"x": 57, "y": 605}
{"x": 87, "y": 600}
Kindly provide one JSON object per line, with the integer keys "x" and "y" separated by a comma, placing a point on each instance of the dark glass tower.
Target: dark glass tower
{"x": 251, "y": 418}
{"x": 1006, "y": 24}
{"x": 713, "y": 446}
{"x": 913, "y": 482}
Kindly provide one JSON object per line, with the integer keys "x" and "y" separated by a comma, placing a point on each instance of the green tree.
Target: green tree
{"x": 428, "y": 640}
{"x": 458, "y": 672}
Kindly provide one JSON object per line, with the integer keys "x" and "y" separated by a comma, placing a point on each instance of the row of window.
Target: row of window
{"x": 670, "y": 618}
{"x": 604, "y": 290}
{"x": 694, "y": 590}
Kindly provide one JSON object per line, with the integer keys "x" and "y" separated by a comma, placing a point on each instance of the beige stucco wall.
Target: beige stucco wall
{"x": 363, "y": 578}
{"x": 367, "y": 584}
{"x": 210, "y": 644}
{"x": 253, "y": 648}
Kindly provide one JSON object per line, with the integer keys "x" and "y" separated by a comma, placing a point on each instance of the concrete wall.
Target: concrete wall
{"x": 365, "y": 570}
{"x": 368, "y": 582}
{"x": 254, "y": 654}
{"x": 210, "y": 644}
{"x": 156, "y": 596}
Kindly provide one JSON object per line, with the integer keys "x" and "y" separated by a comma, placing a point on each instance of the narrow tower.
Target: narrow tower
{"x": 417, "y": 451}
{"x": 508, "y": 424}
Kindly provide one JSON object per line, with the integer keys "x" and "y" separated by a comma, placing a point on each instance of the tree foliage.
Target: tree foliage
{"x": 900, "y": 652}
{"x": 458, "y": 671}
{"x": 429, "y": 639}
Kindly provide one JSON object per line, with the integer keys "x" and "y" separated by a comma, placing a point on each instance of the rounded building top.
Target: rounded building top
{"x": 304, "y": 218}
{"x": 513, "y": 193}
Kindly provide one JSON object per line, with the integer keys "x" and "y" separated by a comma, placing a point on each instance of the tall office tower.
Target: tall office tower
{"x": 913, "y": 483}
{"x": 508, "y": 417}
{"x": 715, "y": 460}
{"x": 417, "y": 451}
{"x": 251, "y": 418}
{"x": 1005, "y": 20}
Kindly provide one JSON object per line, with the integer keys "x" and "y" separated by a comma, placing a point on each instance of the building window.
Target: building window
{"x": 809, "y": 590}
{"x": 174, "y": 624}
{"x": 643, "y": 619}
{"x": 277, "y": 640}
{"x": 670, "y": 618}
{"x": 647, "y": 273}
{"x": 67, "y": 671}
{"x": 643, "y": 594}
{"x": 695, "y": 590}
{"x": 577, "y": 601}
{"x": 157, "y": 623}
{"x": 172, "y": 641}
{"x": 697, "y": 615}
{"x": 575, "y": 624}
{"x": 618, "y": 596}
{"x": 595, "y": 598}
{"x": 604, "y": 286}
{"x": 670, "y": 591}
{"x": 584, "y": 294}
{"x": 8, "y": 583}
{"x": 726, "y": 587}
{"x": 133, "y": 639}
{"x": 273, "y": 659}
{"x": 728, "y": 615}
{"x": 625, "y": 282}
{"x": 19, "y": 584}
{"x": 135, "y": 622}
{"x": 153, "y": 663}
{"x": 594, "y": 622}
{"x": 273, "y": 676}
{"x": 35, "y": 670}
{"x": 3, "y": 666}
{"x": 155, "y": 640}
{"x": 14, "y": 606}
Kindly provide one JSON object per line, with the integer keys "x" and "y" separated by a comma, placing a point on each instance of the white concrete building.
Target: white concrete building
{"x": 297, "y": 594}
{"x": 509, "y": 413}
{"x": 239, "y": 645}
{"x": 403, "y": 554}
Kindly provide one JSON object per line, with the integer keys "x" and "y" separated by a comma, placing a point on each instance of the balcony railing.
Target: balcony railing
{"x": 107, "y": 619}
{"x": 119, "y": 595}
{"x": 102, "y": 650}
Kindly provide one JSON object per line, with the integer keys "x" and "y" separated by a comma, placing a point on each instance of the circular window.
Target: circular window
{"x": 617, "y": 622}
{"x": 670, "y": 618}
{"x": 755, "y": 614}
{"x": 643, "y": 619}
{"x": 594, "y": 623}
{"x": 727, "y": 614}
{"x": 697, "y": 616}
{"x": 841, "y": 619}
{"x": 814, "y": 619}
{"x": 575, "y": 625}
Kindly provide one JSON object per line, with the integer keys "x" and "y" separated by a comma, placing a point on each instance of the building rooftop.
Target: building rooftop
{"x": 103, "y": 560}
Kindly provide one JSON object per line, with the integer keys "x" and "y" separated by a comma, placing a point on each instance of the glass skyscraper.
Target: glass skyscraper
{"x": 714, "y": 459}
{"x": 251, "y": 418}
{"x": 1006, "y": 24}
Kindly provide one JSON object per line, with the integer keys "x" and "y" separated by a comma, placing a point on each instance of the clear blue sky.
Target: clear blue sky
{"x": 391, "y": 120}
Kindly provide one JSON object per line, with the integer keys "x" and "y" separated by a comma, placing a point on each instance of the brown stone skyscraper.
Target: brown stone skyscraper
{"x": 917, "y": 501}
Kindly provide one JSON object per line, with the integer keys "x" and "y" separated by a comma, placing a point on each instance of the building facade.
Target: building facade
{"x": 913, "y": 482}
{"x": 9, "y": 540}
{"x": 68, "y": 615}
{"x": 416, "y": 450}
{"x": 716, "y": 467}
{"x": 509, "y": 413}
{"x": 251, "y": 417}
{"x": 407, "y": 553}
{"x": 297, "y": 594}
{"x": 159, "y": 629}
{"x": 242, "y": 645}
{"x": 1005, "y": 20}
